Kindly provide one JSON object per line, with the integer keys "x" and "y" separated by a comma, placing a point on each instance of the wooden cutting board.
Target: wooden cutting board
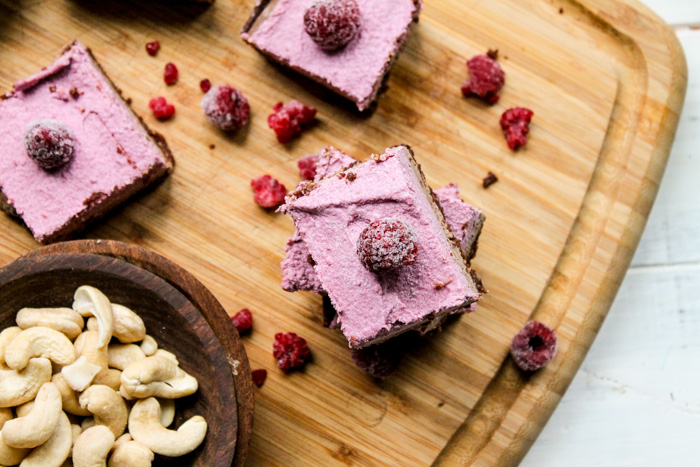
{"x": 606, "y": 80}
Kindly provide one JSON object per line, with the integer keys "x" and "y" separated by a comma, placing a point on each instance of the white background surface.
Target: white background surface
{"x": 636, "y": 399}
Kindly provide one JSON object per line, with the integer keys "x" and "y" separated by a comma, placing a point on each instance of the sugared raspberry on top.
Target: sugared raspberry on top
{"x": 152, "y": 48}
{"x": 226, "y": 107}
{"x": 269, "y": 193}
{"x": 288, "y": 118}
{"x": 161, "y": 109}
{"x": 387, "y": 244}
{"x": 534, "y": 346}
{"x": 170, "y": 74}
{"x": 49, "y": 143}
{"x": 290, "y": 350}
{"x": 485, "y": 80}
{"x": 332, "y": 24}
{"x": 378, "y": 360}
{"x": 515, "y": 123}
{"x": 243, "y": 320}
{"x": 307, "y": 166}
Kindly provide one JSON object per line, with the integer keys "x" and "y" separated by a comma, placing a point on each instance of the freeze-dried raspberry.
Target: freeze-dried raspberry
{"x": 259, "y": 377}
{"x": 152, "y": 48}
{"x": 243, "y": 320}
{"x": 170, "y": 74}
{"x": 307, "y": 166}
{"x": 387, "y": 244}
{"x": 534, "y": 346}
{"x": 269, "y": 193}
{"x": 378, "y": 360}
{"x": 49, "y": 143}
{"x": 290, "y": 350}
{"x": 226, "y": 107}
{"x": 161, "y": 109}
{"x": 515, "y": 123}
{"x": 332, "y": 24}
{"x": 205, "y": 85}
{"x": 288, "y": 119}
{"x": 486, "y": 78}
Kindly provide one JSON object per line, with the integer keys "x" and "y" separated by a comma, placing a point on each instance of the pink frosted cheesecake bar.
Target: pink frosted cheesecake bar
{"x": 357, "y": 71}
{"x": 115, "y": 155}
{"x": 331, "y": 214}
{"x": 465, "y": 221}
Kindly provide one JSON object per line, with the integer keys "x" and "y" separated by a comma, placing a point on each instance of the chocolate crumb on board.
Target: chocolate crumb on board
{"x": 561, "y": 11}
{"x": 490, "y": 179}
{"x": 212, "y": 146}
{"x": 492, "y": 54}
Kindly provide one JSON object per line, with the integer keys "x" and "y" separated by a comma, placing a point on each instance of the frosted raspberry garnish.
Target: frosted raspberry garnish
{"x": 161, "y": 109}
{"x": 515, "y": 123}
{"x": 287, "y": 119}
{"x": 259, "y": 377}
{"x": 170, "y": 74}
{"x": 332, "y": 24}
{"x": 152, "y": 48}
{"x": 205, "y": 85}
{"x": 243, "y": 320}
{"x": 290, "y": 350}
{"x": 387, "y": 244}
{"x": 226, "y": 107}
{"x": 485, "y": 80}
{"x": 307, "y": 166}
{"x": 534, "y": 346}
{"x": 49, "y": 143}
{"x": 269, "y": 193}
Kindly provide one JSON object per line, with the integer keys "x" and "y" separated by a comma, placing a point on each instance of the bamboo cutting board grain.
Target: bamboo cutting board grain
{"x": 606, "y": 81}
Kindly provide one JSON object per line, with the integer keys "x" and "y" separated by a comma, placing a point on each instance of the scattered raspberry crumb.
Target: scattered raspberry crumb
{"x": 490, "y": 179}
{"x": 226, "y": 107}
{"x": 205, "y": 85}
{"x": 515, "y": 123}
{"x": 378, "y": 360}
{"x": 243, "y": 320}
{"x": 49, "y": 143}
{"x": 290, "y": 350}
{"x": 170, "y": 74}
{"x": 486, "y": 78}
{"x": 161, "y": 109}
{"x": 287, "y": 119}
{"x": 152, "y": 48}
{"x": 307, "y": 166}
{"x": 269, "y": 193}
{"x": 332, "y": 24}
{"x": 534, "y": 346}
{"x": 259, "y": 377}
{"x": 387, "y": 244}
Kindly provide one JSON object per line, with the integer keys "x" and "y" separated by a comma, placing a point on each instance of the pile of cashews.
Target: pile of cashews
{"x": 53, "y": 372}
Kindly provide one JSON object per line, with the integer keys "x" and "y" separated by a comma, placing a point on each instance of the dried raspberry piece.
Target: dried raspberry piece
{"x": 152, "y": 48}
{"x": 243, "y": 320}
{"x": 290, "y": 350}
{"x": 170, "y": 74}
{"x": 205, "y": 85}
{"x": 49, "y": 143}
{"x": 534, "y": 346}
{"x": 226, "y": 107}
{"x": 332, "y": 24}
{"x": 378, "y": 360}
{"x": 515, "y": 123}
{"x": 259, "y": 377}
{"x": 161, "y": 109}
{"x": 486, "y": 78}
{"x": 307, "y": 166}
{"x": 288, "y": 119}
{"x": 489, "y": 180}
{"x": 269, "y": 193}
{"x": 387, "y": 244}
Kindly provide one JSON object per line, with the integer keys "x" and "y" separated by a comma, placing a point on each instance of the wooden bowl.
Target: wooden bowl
{"x": 182, "y": 315}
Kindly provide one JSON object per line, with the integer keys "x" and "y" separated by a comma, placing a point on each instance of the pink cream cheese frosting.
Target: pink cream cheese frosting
{"x": 465, "y": 221}
{"x": 371, "y": 307}
{"x": 111, "y": 151}
{"x": 355, "y": 70}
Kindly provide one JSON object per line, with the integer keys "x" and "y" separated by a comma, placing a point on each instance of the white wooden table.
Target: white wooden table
{"x": 636, "y": 399}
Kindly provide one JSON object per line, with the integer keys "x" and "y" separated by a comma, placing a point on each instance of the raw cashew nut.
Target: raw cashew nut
{"x": 128, "y": 326}
{"x": 126, "y": 437}
{"x": 80, "y": 373}
{"x": 69, "y": 399}
{"x": 149, "y": 345}
{"x": 92, "y": 324}
{"x": 92, "y": 447}
{"x": 76, "y": 430}
{"x": 90, "y": 301}
{"x": 24, "y": 409}
{"x": 36, "y": 427}
{"x": 39, "y": 342}
{"x": 109, "y": 377}
{"x": 10, "y": 455}
{"x": 87, "y": 345}
{"x": 5, "y": 415}
{"x": 131, "y": 454}
{"x": 157, "y": 376}
{"x": 122, "y": 355}
{"x": 145, "y": 427}
{"x": 64, "y": 320}
{"x": 108, "y": 408}
{"x": 18, "y": 387}
{"x": 55, "y": 450}
{"x": 6, "y": 336}
{"x": 167, "y": 411}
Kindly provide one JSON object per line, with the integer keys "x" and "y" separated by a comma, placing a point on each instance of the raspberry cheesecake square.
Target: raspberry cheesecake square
{"x": 348, "y": 46}
{"x": 381, "y": 248}
{"x": 71, "y": 148}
